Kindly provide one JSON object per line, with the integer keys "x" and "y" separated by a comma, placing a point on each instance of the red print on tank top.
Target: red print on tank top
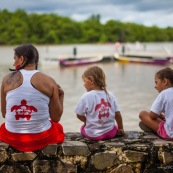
{"x": 103, "y": 110}
{"x": 23, "y": 110}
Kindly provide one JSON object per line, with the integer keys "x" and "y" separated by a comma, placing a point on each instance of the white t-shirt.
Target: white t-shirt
{"x": 164, "y": 104}
{"x": 99, "y": 109}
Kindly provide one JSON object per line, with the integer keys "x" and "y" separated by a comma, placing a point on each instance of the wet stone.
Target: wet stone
{"x": 14, "y": 169}
{"x": 151, "y": 137}
{"x": 167, "y": 157}
{"x": 3, "y": 146}
{"x": 123, "y": 168}
{"x": 161, "y": 142}
{"x": 75, "y": 148}
{"x": 136, "y": 152}
{"x": 23, "y": 156}
{"x": 3, "y": 156}
{"x": 104, "y": 159}
{"x": 133, "y": 135}
{"x": 53, "y": 166}
{"x": 135, "y": 156}
{"x": 50, "y": 150}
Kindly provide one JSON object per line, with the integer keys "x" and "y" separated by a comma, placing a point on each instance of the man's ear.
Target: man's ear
{"x": 22, "y": 59}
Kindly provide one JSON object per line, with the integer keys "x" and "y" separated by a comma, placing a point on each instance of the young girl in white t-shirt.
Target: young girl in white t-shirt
{"x": 160, "y": 117}
{"x": 98, "y": 108}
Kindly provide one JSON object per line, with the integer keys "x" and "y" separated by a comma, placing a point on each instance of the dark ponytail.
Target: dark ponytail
{"x": 30, "y": 54}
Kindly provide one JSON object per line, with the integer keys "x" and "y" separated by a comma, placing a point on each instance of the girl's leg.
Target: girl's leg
{"x": 144, "y": 127}
{"x": 153, "y": 124}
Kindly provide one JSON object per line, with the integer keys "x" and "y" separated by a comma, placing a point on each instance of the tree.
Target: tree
{"x": 19, "y": 27}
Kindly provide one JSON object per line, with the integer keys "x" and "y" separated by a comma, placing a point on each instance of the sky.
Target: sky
{"x": 146, "y": 12}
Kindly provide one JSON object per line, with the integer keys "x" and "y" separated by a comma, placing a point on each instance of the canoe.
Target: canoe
{"x": 78, "y": 61}
{"x": 145, "y": 60}
{"x": 67, "y": 62}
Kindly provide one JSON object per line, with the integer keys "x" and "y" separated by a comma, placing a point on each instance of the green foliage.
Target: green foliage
{"x": 19, "y": 27}
{"x": 91, "y": 30}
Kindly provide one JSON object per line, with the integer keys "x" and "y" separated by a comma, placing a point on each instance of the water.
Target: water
{"x": 132, "y": 84}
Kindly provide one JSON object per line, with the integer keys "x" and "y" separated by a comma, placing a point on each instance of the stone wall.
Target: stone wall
{"x": 137, "y": 152}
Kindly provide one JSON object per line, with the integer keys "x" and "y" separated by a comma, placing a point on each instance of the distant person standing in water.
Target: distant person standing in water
{"x": 160, "y": 117}
{"x": 31, "y": 103}
{"x": 98, "y": 108}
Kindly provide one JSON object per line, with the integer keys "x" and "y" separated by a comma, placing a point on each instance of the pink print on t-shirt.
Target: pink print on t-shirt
{"x": 103, "y": 109}
{"x": 23, "y": 110}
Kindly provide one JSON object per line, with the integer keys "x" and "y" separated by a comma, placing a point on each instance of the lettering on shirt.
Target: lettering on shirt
{"x": 23, "y": 110}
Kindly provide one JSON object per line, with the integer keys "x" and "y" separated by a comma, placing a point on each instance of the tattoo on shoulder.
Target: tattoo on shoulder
{"x": 14, "y": 78}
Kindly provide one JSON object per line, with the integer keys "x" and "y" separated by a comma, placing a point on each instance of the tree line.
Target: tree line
{"x": 20, "y": 27}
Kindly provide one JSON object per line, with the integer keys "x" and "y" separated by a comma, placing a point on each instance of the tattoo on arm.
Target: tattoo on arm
{"x": 14, "y": 78}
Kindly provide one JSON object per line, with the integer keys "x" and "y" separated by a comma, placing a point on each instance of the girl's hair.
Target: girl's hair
{"x": 30, "y": 54}
{"x": 98, "y": 75}
{"x": 165, "y": 73}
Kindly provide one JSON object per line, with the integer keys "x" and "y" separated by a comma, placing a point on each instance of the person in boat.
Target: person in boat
{"x": 31, "y": 103}
{"x": 98, "y": 108}
{"x": 160, "y": 118}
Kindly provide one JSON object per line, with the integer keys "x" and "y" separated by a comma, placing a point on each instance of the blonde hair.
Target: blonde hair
{"x": 98, "y": 75}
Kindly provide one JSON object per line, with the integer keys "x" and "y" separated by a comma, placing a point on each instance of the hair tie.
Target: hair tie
{"x": 17, "y": 67}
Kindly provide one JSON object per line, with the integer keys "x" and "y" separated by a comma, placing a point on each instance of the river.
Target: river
{"x": 132, "y": 84}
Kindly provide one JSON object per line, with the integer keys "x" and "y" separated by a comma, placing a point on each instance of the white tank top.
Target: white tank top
{"x": 27, "y": 109}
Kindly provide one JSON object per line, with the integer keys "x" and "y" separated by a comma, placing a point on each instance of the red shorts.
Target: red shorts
{"x": 32, "y": 142}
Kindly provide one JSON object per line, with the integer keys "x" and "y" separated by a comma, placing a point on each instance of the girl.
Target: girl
{"x": 98, "y": 108}
{"x": 160, "y": 117}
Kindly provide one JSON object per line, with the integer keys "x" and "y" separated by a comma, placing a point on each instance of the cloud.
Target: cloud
{"x": 146, "y": 12}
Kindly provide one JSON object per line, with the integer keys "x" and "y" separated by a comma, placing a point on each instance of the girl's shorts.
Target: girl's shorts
{"x": 107, "y": 135}
{"x": 162, "y": 132}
